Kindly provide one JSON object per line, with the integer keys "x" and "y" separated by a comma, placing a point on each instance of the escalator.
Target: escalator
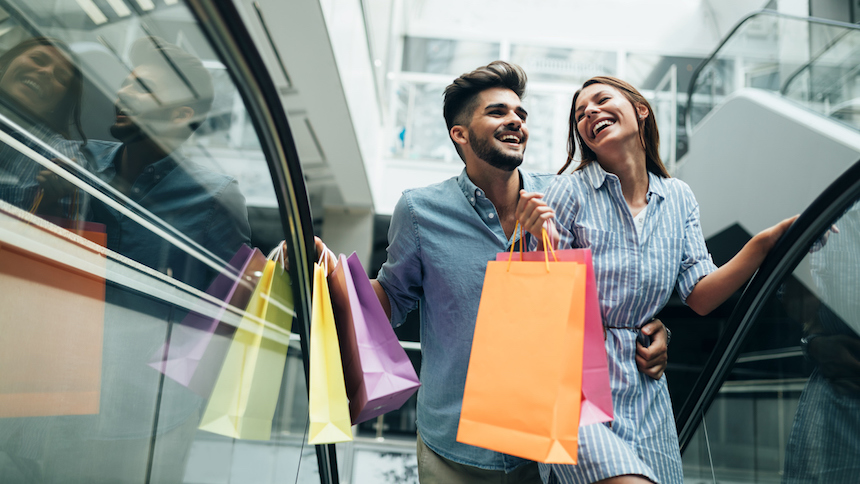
{"x": 779, "y": 397}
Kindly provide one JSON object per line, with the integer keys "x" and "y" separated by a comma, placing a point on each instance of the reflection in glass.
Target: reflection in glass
{"x": 788, "y": 410}
{"x": 148, "y": 142}
{"x": 824, "y": 444}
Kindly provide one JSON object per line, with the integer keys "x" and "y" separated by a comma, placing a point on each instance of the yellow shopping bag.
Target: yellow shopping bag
{"x": 327, "y": 402}
{"x": 243, "y": 401}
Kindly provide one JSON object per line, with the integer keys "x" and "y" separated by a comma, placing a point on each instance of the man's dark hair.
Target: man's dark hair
{"x": 187, "y": 67}
{"x": 461, "y": 96}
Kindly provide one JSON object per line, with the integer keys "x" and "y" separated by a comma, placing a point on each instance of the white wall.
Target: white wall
{"x": 757, "y": 159}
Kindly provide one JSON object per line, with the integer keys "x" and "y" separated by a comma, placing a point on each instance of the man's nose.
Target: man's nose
{"x": 513, "y": 120}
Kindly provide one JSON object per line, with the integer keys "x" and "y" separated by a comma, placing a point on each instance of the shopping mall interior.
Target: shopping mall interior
{"x": 259, "y": 124}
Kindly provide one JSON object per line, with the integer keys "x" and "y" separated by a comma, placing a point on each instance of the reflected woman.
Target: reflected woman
{"x": 40, "y": 93}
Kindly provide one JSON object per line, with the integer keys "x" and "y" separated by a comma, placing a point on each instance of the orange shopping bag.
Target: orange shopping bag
{"x": 596, "y": 394}
{"x": 524, "y": 383}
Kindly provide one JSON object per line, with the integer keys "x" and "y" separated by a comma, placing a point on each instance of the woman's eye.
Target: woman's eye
{"x": 603, "y": 100}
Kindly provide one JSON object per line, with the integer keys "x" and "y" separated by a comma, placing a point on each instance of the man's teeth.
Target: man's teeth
{"x": 599, "y": 126}
{"x": 509, "y": 138}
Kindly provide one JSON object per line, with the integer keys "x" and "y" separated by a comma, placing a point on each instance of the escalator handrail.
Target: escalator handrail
{"x": 226, "y": 31}
{"x": 791, "y": 248}
{"x": 808, "y": 64}
{"x": 688, "y": 122}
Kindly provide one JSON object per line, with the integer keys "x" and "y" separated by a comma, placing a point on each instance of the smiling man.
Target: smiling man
{"x": 157, "y": 108}
{"x": 440, "y": 240}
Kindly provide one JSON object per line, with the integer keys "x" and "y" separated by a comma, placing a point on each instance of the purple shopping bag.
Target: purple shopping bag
{"x": 379, "y": 376}
{"x": 197, "y": 346}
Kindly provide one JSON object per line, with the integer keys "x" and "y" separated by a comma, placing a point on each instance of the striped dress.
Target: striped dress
{"x": 636, "y": 273}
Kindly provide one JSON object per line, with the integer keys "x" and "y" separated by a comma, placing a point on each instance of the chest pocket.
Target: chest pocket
{"x": 607, "y": 259}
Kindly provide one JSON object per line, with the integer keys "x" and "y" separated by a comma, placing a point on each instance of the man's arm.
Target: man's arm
{"x": 383, "y": 297}
{"x": 652, "y": 360}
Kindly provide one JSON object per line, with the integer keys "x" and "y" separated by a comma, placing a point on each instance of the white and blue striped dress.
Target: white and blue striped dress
{"x": 636, "y": 273}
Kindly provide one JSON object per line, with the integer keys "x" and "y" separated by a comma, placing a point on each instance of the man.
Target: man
{"x": 160, "y": 104}
{"x": 146, "y": 421}
{"x": 440, "y": 240}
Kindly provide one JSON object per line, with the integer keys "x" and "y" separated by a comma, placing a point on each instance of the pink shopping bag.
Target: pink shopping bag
{"x": 596, "y": 394}
{"x": 192, "y": 356}
{"x": 379, "y": 376}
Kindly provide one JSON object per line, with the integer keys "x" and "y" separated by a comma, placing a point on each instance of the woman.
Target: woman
{"x": 643, "y": 229}
{"x": 40, "y": 91}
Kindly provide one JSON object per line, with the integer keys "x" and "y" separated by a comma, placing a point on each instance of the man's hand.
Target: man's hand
{"x": 653, "y": 359}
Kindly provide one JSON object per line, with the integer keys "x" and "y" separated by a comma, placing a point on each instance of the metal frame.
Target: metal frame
{"x": 221, "y": 22}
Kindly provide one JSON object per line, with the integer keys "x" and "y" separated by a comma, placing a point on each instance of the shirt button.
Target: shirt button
{"x": 479, "y": 193}
{"x": 491, "y": 215}
{"x": 158, "y": 177}
{"x": 136, "y": 190}
{"x": 149, "y": 170}
{"x": 472, "y": 199}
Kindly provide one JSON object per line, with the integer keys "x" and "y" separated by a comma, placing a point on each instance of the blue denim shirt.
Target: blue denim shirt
{"x": 440, "y": 240}
{"x": 207, "y": 207}
{"x": 204, "y": 205}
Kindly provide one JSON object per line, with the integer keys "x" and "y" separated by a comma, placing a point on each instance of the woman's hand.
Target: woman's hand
{"x": 534, "y": 215}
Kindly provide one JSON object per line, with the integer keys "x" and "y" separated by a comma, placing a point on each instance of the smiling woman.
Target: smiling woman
{"x": 40, "y": 93}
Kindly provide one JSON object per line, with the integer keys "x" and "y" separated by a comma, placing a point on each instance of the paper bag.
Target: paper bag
{"x": 327, "y": 403}
{"x": 524, "y": 382}
{"x": 243, "y": 401}
{"x": 192, "y": 357}
{"x": 596, "y": 393}
{"x": 379, "y": 375}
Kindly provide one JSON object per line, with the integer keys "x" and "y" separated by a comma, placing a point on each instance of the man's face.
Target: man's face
{"x": 497, "y": 131}
{"x": 147, "y": 103}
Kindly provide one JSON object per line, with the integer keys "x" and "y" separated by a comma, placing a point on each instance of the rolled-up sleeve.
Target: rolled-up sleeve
{"x": 696, "y": 262}
{"x": 402, "y": 276}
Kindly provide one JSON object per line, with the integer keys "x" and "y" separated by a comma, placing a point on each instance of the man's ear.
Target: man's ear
{"x": 182, "y": 114}
{"x": 460, "y": 134}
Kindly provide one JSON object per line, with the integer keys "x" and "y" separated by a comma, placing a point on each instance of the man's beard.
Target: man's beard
{"x": 495, "y": 157}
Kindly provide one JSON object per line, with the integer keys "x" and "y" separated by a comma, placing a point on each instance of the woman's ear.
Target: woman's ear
{"x": 460, "y": 134}
{"x": 642, "y": 110}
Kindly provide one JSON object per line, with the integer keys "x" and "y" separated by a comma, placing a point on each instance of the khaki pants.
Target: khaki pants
{"x": 435, "y": 469}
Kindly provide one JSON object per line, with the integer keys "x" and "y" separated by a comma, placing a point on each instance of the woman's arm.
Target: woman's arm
{"x": 713, "y": 289}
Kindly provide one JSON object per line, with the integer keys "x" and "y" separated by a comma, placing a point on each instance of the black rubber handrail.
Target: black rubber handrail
{"x": 765, "y": 12}
{"x": 224, "y": 28}
{"x": 791, "y": 248}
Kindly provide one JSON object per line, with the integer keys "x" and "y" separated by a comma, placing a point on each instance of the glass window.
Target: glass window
{"x": 446, "y": 56}
{"x": 788, "y": 410}
{"x": 555, "y": 64}
{"x": 145, "y": 335}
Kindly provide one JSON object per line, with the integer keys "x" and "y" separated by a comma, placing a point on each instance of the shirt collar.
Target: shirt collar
{"x": 471, "y": 190}
{"x": 596, "y": 175}
{"x": 106, "y": 164}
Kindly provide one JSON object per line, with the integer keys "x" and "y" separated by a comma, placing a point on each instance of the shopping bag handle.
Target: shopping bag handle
{"x": 546, "y": 244}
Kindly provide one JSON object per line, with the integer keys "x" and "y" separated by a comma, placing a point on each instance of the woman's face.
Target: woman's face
{"x": 606, "y": 119}
{"x": 38, "y": 79}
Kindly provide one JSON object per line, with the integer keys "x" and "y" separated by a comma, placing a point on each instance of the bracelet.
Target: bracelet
{"x": 804, "y": 344}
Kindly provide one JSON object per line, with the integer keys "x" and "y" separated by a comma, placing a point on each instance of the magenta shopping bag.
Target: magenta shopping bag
{"x": 198, "y": 345}
{"x": 379, "y": 376}
{"x": 596, "y": 394}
